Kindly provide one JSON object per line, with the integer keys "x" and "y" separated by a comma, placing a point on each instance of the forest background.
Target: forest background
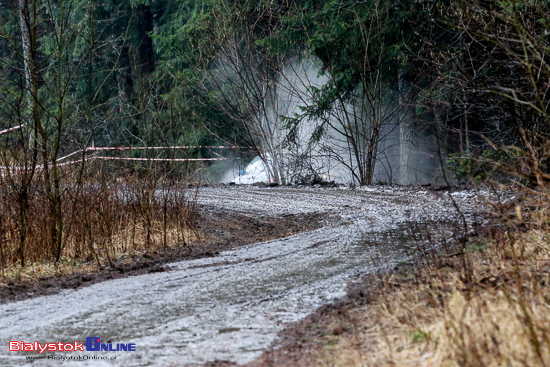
{"x": 397, "y": 92}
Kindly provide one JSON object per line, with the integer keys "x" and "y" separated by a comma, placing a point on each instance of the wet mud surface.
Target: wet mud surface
{"x": 228, "y": 307}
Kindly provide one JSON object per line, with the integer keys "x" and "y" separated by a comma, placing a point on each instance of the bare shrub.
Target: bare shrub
{"x": 105, "y": 215}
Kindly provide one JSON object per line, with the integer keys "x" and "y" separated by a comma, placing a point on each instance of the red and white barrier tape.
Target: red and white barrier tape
{"x": 138, "y": 148}
{"x": 169, "y": 147}
{"x": 70, "y": 155}
{"x": 160, "y": 159}
{"x": 91, "y": 149}
{"x": 216, "y": 154}
{"x": 11, "y": 129}
{"x": 41, "y": 167}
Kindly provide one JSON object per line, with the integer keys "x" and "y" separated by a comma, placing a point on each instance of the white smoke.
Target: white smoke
{"x": 404, "y": 153}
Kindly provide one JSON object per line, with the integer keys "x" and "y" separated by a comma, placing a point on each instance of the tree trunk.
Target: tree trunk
{"x": 405, "y": 131}
{"x": 25, "y": 41}
{"x": 145, "y": 48}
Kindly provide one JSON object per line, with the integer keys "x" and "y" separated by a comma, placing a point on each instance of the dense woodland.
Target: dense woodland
{"x": 367, "y": 84}
{"x": 189, "y": 72}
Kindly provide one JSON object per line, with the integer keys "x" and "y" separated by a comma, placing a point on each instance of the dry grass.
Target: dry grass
{"x": 433, "y": 316}
{"x": 106, "y": 218}
{"x": 14, "y": 273}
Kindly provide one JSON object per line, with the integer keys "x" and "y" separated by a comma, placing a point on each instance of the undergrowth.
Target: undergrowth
{"x": 486, "y": 305}
{"x": 106, "y": 216}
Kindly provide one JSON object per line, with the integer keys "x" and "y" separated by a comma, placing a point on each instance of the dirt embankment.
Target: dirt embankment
{"x": 216, "y": 231}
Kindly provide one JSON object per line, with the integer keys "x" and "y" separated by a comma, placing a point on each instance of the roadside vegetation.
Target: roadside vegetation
{"x": 106, "y": 218}
{"x": 484, "y": 302}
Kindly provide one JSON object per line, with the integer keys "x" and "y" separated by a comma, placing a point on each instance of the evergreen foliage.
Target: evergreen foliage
{"x": 150, "y": 71}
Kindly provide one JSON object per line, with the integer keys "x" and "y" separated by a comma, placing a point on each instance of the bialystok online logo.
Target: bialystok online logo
{"x": 93, "y": 344}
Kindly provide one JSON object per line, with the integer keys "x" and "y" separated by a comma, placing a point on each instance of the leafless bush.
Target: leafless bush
{"x": 105, "y": 215}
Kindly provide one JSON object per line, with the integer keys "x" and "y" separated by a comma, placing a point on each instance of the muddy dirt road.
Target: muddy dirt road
{"x": 231, "y": 306}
